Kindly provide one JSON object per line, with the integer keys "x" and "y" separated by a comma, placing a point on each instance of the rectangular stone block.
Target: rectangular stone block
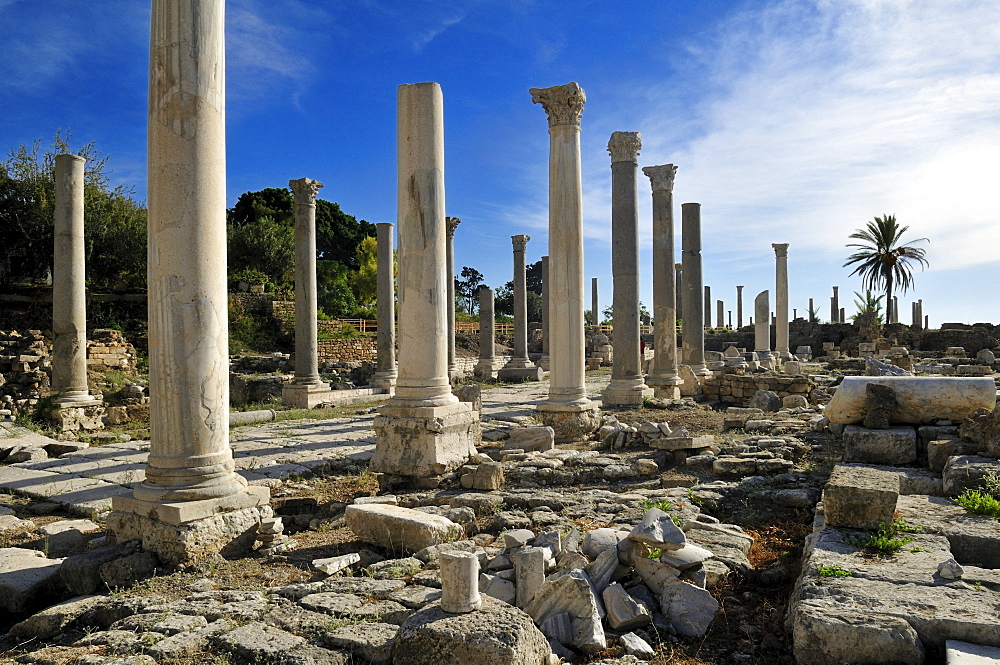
{"x": 895, "y": 445}
{"x": 860, "y": 497}
{"x": 400, "y": 529}
{"x": 683, "y": 442}
{"x": 938, "y": 452}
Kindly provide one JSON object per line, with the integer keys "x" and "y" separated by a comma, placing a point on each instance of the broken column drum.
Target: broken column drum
{"x": 693, "y": 333}
{"x": 663, "y": 375}
{"x": 567, "y": 409}
{"x": 627, "y": 387}
{"x": 385, "y": 370}
{"x": 460, "y": 582}
{"x": 423, "y": 430}
{"x": 781, "y": 300}
{"x": 451, "y": 224}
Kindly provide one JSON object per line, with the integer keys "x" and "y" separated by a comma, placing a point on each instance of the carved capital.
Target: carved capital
{"x": 679, "y": 266}
{"x": 624, "y": 146}
{"x": 740, "y": 288}
{"x": 661, "y": 178}
{"x": 780, "y": 250}
{"x": 305, "y": 190}
{"x": 520, "y": 242}
{"x": 562, "y": 103}
{"x": 451, "y": 223}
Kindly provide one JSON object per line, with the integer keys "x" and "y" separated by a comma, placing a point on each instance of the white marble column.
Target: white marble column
{"x": 520, "y": 356}
{"x": 487, "y": 334}
{"x": 663, "y": 373}
{"x": 385, "y": 374}
{"x": 693, "y": 332}
{"x": 708, "y": 307}
{"x": 762, "y": 329}
{"x": 544, "y": 360}
{"x": 423, "y": 430}
{"x": 739, "y": 306}
{"x": 69, "y": 290}
{"x": 627, "y": 387}
{"x": 567, "y": 410}
{"x": 781, "y": 300}
{"x": 451, "y": 224}
{"x": 190, "y": 473}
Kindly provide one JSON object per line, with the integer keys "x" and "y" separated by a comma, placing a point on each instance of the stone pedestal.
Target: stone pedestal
{"x": 451, "y": 224}
{"x": 567, "y": 409}
{"x": 739, "y": 307}
{"x": 762, "y": 329}
{"x": 543, "y": 362}
{"x": 385, "y": 372}
{"x": 191, "y": 503}
{"x": 423, "y": 430}
{"x": 485, "y": 368}
{"x": 781, "y": 300}
{"x": 627, "y": 387}
{"x": 663, "y": 375}
{"x": 693, "y": 332}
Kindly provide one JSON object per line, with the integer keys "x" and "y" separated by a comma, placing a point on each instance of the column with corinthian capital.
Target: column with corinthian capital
{"x": 663, "y": 375}
{"x": 567, "y": 410}
{"x": 451, "y": 223}
{"x": 781, "y": 301}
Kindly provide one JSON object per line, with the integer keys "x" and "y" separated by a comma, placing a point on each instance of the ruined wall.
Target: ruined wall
{"x": 108, "y": 349}
{"x": 737, "y": 389}
{"x": 358, "y": 349}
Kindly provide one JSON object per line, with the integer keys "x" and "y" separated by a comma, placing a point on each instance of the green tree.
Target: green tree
{"x": 276, "y": 203}
{"x": 334, "y": 293}
{"x": 262, "y": 244}
{"x": 467, "y": 289}
{"x": 338, "y": 234}
{"x": 365, "y": 280}
{"x": 882, "y": 261}
{"x": 868, "y": 303}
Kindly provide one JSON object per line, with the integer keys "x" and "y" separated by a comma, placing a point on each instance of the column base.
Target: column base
{"x": 519, "y": 363}
{"x": 485, "y": 370}
{"x": 305, "y": 395}
{"x": 425, "y": 441}
{"x": 701, "y": 370}
{"x": 518, "y": 374}
{"x": 572, "y": 421}
{"x": 181, "y": 533}
{"x": 78, "y": 412}
{"x": 544, "y": 363}
{"x": 384, "y": 381}
{"x": 665, "y": 387}
{"x": 626, "y": 393}
{"x": 667, "y": 392}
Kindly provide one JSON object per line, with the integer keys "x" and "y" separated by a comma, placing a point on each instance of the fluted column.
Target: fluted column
{"x": 781, "y": 300}
{"x": 627, "y": 387}
{"x": 739, "y": 307}
{"x": 693, "y": 337}
{"x": 487, "y": 333}
{"x": 451, "y": 223}
{"x": 385, "y": 371}
{"x": 762, "y": 328}
{"x": 69, "y": 290}
{"x": 544, "y": 361}
{"x": 520, "y": 357}
{"x": 567, "y": 408}
{"x": 663, "y": 373}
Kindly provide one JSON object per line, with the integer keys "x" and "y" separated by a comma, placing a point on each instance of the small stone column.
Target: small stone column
{"x": 595, "y": 308}
{"x": 781, "y": 300}
{"x": 895, "y": 309}
{"x": 307, "y": 390}
{"x": 842, "y": 317}
{"x": 679, "y": 290}
{"x": 460, "y": 582}
{"x": 520, "y": 368}
{"x": 812, "y": 308}
{"x": 730, "y": 312}
{"x": 708, "y": 307}
{"x": 192, "y": 503}
{"x": 663, "y": 373}
{"x": 920, "y": 313}
{"x": 567, "y": 409}
{"x": 451, "y": 223}
{"x": 927, "y": 321}
{"x": 544, "y": 360}
{"x": 739, "y": 306}
{"x": 627, "y": 387}
{"x": 487, "y": 334}
{"x": 385, "y": 374}
{"x": 762, "y": 329}
{"x": 835, "y": 306}
{"x": 693, "y": 333}
{"x": 423, "y": 430}
{"x": 720, "y": 314}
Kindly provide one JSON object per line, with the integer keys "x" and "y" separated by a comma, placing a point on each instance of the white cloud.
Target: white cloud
{"x": 259, "y": 58}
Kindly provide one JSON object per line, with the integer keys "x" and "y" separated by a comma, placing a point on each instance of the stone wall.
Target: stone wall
{"x": 738, "y": 389}
{"x": 25, "y": 363}
{"x": 108, "y": 349}
{"x": 357, "y": 349}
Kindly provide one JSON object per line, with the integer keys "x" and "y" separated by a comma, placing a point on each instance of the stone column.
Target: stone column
{"x": 460, "y": 582}
{"x": 762, "y": 329}
{"x": 190, "y": 479}
{"x": 69, "y": 290}
{"x": 627, "y": 387}
{"x": 693, "y": 333}
{"x": 920, "y": 313}
{"x": 451, "y": 223}
{"x": 423, "y": 430}
{"x": 520, "y": 357}
{"x": 835, "y": 305}
{"x": 795, "y": 313}
{"x": 812, "y": 308}
{"x": 739, "y": 306}
{"x": 307, "y": 390}
{"x": 679, "y": 290}
{"x": 567, "y": 409}
{"x": 595, "y": 308}
{"x": 720, "y": 314}
{"x": 487, "y": 334}
{"x": 544, "y": 360}
{"x": 730, "y": 312}
{"x": 385, "y": 374}
{"x": 663, "y": 373}
{"x": 927, "y": 321}
{"x": 781, "y": 300}
{"x": 895, "y": 309}
{"x": 708, "y": 307}
{"x": 842, "y": 317}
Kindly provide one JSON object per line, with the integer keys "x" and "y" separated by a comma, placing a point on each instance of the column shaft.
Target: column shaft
{"x": 520, "y": 358}
{"x": 781, "y": 299}
{"x": 679, "y": 290}
{"x": 693, "y": 337}
{"x": 663, "y": 374}
{"x": 595, "y": 308}
{"x": 385, "y": 374}
{"x": 762, "y": 327}
{"x": 451, "y": 223}
{"x": 306, "y": 327}
{"x": 708, "y": 307}
{"x": 720, "y": 314}
{"x": 739, "y": 307}
{"x": 487, "y": 333}
{"x": 545, "y": 313}
{"x": 835, "y": 306}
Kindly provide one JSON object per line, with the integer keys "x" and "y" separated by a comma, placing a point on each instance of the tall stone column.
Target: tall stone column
{"x": 627, "y": 387}
{"x": 423, "y": 430}
{"x": 762, "y": 329}
{"x": 895, "y": 309}
{"x": 520, "y": 358}
{"x": 679, "y": 290}
{"x": 812, "y": 308}
{"x": 663, "y": 373}
{"x": 781, "y": 300}
{"x": 190, "y": 479}
{"x": 720, "y": 314}
{"x": 544, "y": 361}
{"x": 835, "y": 306}
{"x": 595, "y": 308}
{"x": 451, "y": 223}
{"x": 567, "y": 409}
{"x": 739, "y": 306}
{"x": 693, "y": 333}
{"x": 385, "y": 371}
{"x": 708, "y": 307}
{"x": 307, "y": 390}
{"x": 487, "y": 334}
{"x": 920, "y": 313}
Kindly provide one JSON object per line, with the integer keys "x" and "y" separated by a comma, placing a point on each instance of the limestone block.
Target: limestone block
{"x": 372, "y": 642}
{"x": 624, "y": 613}
{"x": 893, "y": 446}
{"x": 336, "y": 564}
{"x": 498, "y": 634}
{"x": 498, "y": 588}
{"x": 794, "y": 402}
{"x": 825, "y": 634}
{"x": 734, "y": 467}
{"x": 766, "y": 400}
{"x": 531, "y": 439}
{"x": 488, "y": 476}
{"x": 636, "y": 646}
{"x": 958, "y": 652}
{"x": 81, "y": 573}
{"x": 688, "y": 609}
{"x": 860, "y": 497}
{"x": 399, "y": 529}
{"x": 966, "y": 472}
{"x": 686, "y": 557}
{"x": 529, "y": 569}
{"x": 657, "y": 530}
{"x": 51, "y": 621}
{"x": 67, "y": 536}
{"x": 655, "y": 575}
{"x": 10, "y": 524}
{"x": 127, "y": 570}
{"x": 598, "y": 540}
{"x": 25, "y": 575}
{"x": 572, "y": 594}
{"x": 920, "y": 399}
{"x": 792, "y": 367}
{"x": 683, "y": 442}
{"x": 427, "y": 441}
{"x": 938, "y": 452}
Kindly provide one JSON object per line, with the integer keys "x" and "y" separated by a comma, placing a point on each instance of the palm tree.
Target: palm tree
{"x": 881, "y": 260}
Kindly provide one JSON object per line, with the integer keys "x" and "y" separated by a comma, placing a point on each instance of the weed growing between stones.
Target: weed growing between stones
{"x": 833, "y": 571}
{"x": 979, "y": 503}
{"x": 886, "y": 540}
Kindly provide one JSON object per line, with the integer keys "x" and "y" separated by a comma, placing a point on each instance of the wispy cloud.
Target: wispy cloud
{"x": 426, "y": 36}
{"x": 260, "y": 58}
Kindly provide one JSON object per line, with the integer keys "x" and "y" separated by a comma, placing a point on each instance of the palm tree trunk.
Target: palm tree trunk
{"x": 888, "y": 300}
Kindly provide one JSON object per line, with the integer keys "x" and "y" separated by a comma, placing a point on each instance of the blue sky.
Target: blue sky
{"x": 790, "y": 121}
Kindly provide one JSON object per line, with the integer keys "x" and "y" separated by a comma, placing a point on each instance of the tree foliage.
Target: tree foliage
{"x": 467, "y": 290}
{"x": 881, "y": 259}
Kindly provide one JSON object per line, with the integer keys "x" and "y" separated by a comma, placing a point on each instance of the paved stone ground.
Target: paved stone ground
{"x": 84, "y": 482}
